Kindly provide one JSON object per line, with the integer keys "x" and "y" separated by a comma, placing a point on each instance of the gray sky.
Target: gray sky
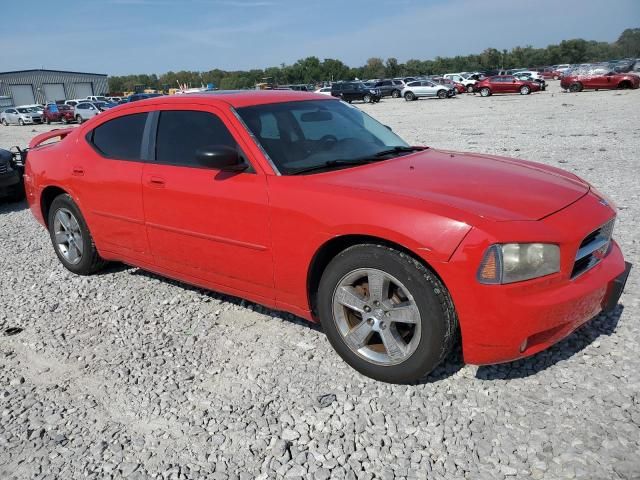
{"x": 154, "y": 36}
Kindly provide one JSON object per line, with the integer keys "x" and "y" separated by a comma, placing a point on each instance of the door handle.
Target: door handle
{"x": 157, "y": 182}
{"x": 78, "y": 171}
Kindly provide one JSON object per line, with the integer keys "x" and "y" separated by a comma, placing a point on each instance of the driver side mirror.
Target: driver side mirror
{"x": 221, "y": 157}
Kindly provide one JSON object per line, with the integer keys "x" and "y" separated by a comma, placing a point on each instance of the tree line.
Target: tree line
{"x": 313, "y": 70}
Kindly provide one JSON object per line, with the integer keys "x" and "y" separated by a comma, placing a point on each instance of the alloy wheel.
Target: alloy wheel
{"x": 377, "y": 316}
{"x": 68, "y": 236}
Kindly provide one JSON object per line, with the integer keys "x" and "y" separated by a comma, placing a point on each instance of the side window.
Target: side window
{"x": 120, "y": 138}
{"x": 183, "y": 132}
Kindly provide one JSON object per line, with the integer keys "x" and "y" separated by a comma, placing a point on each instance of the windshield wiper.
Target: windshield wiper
{"x": 334, "y": 163}
{"x": 393, "y": 150}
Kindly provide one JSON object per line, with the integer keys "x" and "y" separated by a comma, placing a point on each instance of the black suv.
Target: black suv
{"x": 11, "y": 171}
{"x": 389, "y": 88}
{"x": 350, "y": 91}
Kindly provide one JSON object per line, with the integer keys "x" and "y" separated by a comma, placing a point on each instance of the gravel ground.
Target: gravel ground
{"x": 127, "y": 375}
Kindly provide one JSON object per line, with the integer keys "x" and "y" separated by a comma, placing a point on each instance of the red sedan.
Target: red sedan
{"x": 576, "y": 82}
{"x": 58, "y": 113}
{"x": 306, "y": 204}
{"x": 505, "y": 84}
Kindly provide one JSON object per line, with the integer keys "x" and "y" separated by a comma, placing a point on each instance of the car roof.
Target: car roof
{"x": 235, "y": 98}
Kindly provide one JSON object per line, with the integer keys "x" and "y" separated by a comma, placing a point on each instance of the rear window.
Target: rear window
{"x": 120, "y": 138}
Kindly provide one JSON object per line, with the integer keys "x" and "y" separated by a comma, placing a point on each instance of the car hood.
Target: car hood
{"x": 495, "y": 188}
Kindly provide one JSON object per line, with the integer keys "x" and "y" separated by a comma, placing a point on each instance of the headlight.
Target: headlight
{"x": 515, "y": 262}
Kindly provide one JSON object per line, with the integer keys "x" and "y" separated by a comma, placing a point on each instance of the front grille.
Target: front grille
{"x": 593, "y": 248}
{"x": 4, "y": 168}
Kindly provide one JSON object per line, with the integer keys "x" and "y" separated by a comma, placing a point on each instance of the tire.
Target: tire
{"x": 65, "y": 121}
{"x": 442, "y": 94}
{"x": 556, "y": 77}
{"x": 409, "y": 96}
{"x": 395, "y": 94}
{"x": 469, "y": 88}
{"x": 525, "y": 90}
{"x": 4, "y": 122}
{"x": 575, "y": 87}
{"x": 77, "y": 252}
{"x": 78, "y": 119}
{"x": 366, "y": 99}
{"x": 48, "y": 121}
{"x": 624, "y": 85}
{"x": 21, "y": 122}
{"x": 417, "y": 348}
{"x": 485, "y": 92}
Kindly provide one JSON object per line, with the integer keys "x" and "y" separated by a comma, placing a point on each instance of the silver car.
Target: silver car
{"x": 20, "y": 116}
{"x": 85, "y": 111}
{"x": 425, "y": 88}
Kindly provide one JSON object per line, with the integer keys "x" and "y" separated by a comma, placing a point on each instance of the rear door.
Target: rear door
{"x": 511, "y": 84}
{"x": 201, "y": 222}
{"x": 107, "y": 175}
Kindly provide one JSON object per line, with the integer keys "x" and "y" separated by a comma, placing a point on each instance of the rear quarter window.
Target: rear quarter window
{"x": 120, "y": 138}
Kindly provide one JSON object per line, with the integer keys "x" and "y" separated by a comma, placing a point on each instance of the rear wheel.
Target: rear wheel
{"x": 4, "y": 122}
{"x": 65, "y": 121}
{"x": 366, "y": 99}
{"x": 525, "y": 90}
{"x": 48, "y": 121}
{"x": 485, "y": 92}
{"x": 385, "y": 313}
{"x": 575, "y": 87}
{"x": 624, "y": 84}
{"x": 78, "y": 119}
{"x": 469, "y": 88}
{"x": 409, "y": 96}
{"x": 71, "y": 238}
{"x": 442, "y": 94}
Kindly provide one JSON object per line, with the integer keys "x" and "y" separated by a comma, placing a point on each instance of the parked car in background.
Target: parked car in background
{"x": 350, "y": 91}
{"x": 97, "y": 98}
{"x": 85, "y": 111}
{"x": 399, "y": 253}
{"x": 425, "y": 88}
{"x": 505, "y": 84}
{"x": 58, "y": 113}
{"x": 579, "y": 80}
{"x": 323, "y": 90}
{"x": 559, "y": 70}
{"x": 532, "y": 78}
{"x": 35, "y": 106}
{"x": 75, "y": 101}
{"x": 457, "y": 87}
{"x": 20, "y": 116}
{"x": 114, "y": 99}
{"x": 105, "y": 105}
{"x": 142, "y": 96}
{"x": 389, "y": 88}
{"x": 469, "y": 83}
{"x": 11, "y": 173}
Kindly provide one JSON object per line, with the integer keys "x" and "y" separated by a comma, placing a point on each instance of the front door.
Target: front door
{"x": 206, "y": 223}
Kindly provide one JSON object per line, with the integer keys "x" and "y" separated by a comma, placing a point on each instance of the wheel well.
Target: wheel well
{"x": 624, "y": 84}
{"x": 47, "y": 197}
{"x": 333, "y": 247}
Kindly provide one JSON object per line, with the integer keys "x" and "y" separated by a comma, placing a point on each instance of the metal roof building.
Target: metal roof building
{"x": 25, "y": 87}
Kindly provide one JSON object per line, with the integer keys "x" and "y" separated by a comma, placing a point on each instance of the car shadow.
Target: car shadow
{"x": 241, "y": 302}
{"x": 11, "y": 207}
{"x": 603, "y": 324}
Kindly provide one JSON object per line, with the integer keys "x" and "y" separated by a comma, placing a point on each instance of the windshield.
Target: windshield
{"x": 299, "y": 135}
{"x": 101, "y": 99}
{"x": 26, "y": 110}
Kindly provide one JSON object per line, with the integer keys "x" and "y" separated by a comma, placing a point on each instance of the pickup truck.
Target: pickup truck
{"x": 469, "y": 83}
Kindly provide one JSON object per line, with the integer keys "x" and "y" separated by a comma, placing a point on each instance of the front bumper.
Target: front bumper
{"x": 9, "y": 180}
{"x": 501, "y": 323}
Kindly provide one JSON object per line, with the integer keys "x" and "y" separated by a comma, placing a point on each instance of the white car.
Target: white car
{"x": 85, "y": 110}
{"x": 467, "y": 82}
{"x": 323, "y": 90}
{"x": 425, "y": 88}
{"x": 20, "y": 116}
{"x": 97, "y": 98}
{"x": 75, "y": 101}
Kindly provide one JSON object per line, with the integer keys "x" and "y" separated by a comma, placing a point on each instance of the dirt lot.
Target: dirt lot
{"x": 125, "y": 374}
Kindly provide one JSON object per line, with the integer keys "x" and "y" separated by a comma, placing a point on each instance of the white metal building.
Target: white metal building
{"x": 25, "y": 87}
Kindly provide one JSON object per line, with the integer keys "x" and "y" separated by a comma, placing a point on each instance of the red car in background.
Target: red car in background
{"x": 505, "y": 84}
{"x": 58, "y": 113}
{"x": 577, "y": 81}
{"x": 306, "y": 204}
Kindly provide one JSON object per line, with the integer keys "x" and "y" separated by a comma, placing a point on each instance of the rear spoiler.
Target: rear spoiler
{"x": 43, "y": 137}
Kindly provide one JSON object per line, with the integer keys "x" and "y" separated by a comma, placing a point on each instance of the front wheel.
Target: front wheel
{"x": 366, "y": 99}
{"x": 575, "y": 87}
{"x": 385, "y": 313}
{"x": 485, "y": 92}
{"x": 71, "y": 238}
{"x": 525, "y": 90}
{"x": 4, "y": 122}
{"x": 21, "y": 122}
{"x": 442, "y": 94}
{"x": 78, "y": 119}
{"x": 409, "y": 96}
{"x": 395, "y": 94}
{"x": 469, "y": 88}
